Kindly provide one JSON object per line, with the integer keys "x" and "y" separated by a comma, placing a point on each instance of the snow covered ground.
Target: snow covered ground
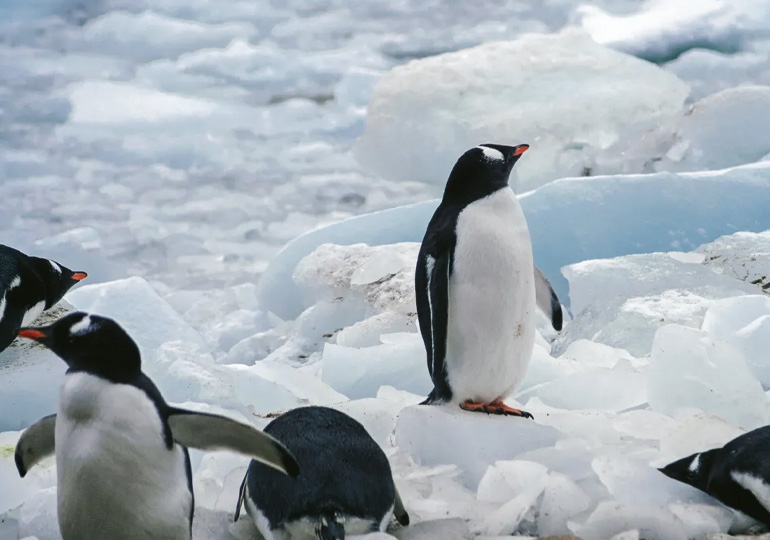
{"x": 178, "y": 151}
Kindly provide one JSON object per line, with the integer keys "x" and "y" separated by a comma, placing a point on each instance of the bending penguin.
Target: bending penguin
{"x": 738, "y": 474}
{"x": 346, "y": 486}
{"x": 28, "y": 286}
{"x": 121, "y": 451}
{"x": 476, "y": 286}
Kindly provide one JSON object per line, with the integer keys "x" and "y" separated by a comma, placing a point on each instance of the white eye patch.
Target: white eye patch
{"x": 81, "y": 327}
{"x": 491, "y": 154}
{"x": 55, "y": 266}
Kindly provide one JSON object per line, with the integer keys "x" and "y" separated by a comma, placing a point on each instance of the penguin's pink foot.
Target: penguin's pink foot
{"x": 496, "y": 407}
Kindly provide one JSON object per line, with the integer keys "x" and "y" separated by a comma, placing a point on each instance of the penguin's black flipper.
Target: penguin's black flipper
{"x": 35, "y": 444}
{"x": 547, "y": 300}
{"x": 10, "y": 322}
{"x": 434, "y": 268}
{"x": 211, "y": 432}
{"x": 399, "y": 511}
{"x": 727, "y": 490}
{"x": 241, "y": 497}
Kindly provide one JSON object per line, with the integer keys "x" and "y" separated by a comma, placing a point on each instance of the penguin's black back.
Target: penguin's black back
{"x": 13, "y": 264}
{"x": 342, "y": 470}
{"x": 9, "y": 264}
{"x": 747, "y": 453}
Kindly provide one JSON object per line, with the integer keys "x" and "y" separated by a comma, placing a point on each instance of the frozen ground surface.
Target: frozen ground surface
{"x": 173, "y": 148}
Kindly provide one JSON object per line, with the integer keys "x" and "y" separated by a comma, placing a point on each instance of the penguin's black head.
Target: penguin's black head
{"x": 482, "y": 170}
{"x": 693, "y": 470}
{"x": 90, "y": 343}
{"x": 57, "y": 278}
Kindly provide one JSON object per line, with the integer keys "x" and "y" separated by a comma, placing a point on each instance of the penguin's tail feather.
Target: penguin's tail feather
{"x": 434, "y": 398}
{"x": 241, "y": 497}
{"x": 431, "y": 399}
{"x": 557, "y": 318}
{"x": 330, "y": 527}
{"x": 547, "y": 300}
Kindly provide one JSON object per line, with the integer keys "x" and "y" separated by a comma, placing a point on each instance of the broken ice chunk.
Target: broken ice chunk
{"x": 688, "y": 371}
{"x": 435, "y": 435}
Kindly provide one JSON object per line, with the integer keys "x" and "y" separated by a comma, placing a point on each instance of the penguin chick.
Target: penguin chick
{"x": 28, "y": 286}
{"x": 475, "y": 285}
{"x": 346, "y": 486}
{"x": 121, "y": 451}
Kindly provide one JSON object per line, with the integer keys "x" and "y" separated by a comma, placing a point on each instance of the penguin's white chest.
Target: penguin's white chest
{"x": 491, "y": 328}
{"x": 117, "y": 478}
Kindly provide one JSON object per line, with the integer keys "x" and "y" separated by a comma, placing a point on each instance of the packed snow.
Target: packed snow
{"x": 247, "y": 183}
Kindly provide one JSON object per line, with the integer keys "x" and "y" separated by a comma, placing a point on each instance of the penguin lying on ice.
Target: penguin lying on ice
{"x": 121, "y": 451}
{"x": 738, "y": 474}
{"x": 477, "y": 287}
{"x": 346, "y": 486}
{"x": 28, "y": 286}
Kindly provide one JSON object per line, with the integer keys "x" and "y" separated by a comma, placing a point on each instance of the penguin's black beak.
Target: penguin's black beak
{"x": 77, "y": 276}
{"x": 38, "y": 334}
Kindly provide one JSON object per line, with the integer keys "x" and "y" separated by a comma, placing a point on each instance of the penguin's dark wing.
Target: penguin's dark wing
{"x": 241, "y": 496}
{"x": 10, "y": 321}
{"x": 547, "y": 300}
{"x": 399, "y": 511}
{"x": 434, "y": 268}
{"x": 725, "y": 487}
{"x": 35, "y": 444}
{"x": 212, "y": 432}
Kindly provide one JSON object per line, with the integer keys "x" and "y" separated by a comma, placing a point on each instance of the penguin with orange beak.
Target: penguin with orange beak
{"x": 477, "y": 288}
{"x": 28, "y": 286}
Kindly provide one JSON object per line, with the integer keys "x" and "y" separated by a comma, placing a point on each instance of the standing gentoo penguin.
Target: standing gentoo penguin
{"x": 738, "y": 474}
{"x": 29, "y": 285}
{"x": 122, "y": 463}
{"x": 346, "y": 486}
{"x": 475, "y": 285}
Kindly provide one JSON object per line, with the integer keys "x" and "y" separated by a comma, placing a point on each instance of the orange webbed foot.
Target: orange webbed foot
{"x": 495, "y": 407}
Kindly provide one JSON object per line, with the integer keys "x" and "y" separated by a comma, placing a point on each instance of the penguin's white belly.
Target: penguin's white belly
{"x": 117, "y": 479}
{"x": 491, "y": 329}
{"x": 304, "y": 528}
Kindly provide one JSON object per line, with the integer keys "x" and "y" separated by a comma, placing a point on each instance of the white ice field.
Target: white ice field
{"x": 247, "y": 182}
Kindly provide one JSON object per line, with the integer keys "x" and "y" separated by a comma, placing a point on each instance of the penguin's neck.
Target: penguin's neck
{"x": 463, "y": 189}
{"x": 50, "y": 274}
